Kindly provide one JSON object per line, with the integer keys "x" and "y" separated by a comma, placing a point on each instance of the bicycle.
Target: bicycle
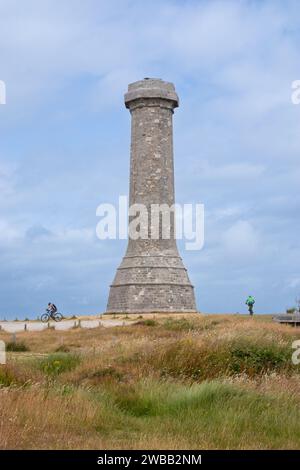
{"x": 46, "y": 317}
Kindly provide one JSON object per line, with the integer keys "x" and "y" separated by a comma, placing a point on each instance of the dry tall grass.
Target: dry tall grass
{"x": 167, "y": 382}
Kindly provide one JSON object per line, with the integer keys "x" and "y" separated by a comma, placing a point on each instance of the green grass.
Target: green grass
{"x": 153, "y": 398}
{"x": 58, "y": 363}
{"x": 202, "y": 414}
{"x": 178, "y": 325}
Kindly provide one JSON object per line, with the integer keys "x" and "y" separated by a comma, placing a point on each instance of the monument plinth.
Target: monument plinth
{"x": 151, "y": 277}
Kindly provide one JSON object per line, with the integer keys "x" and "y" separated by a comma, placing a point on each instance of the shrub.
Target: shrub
{"x": 147, "y": 323}
{"x": 16, "y": 346}
{"x": 255, "y": 359}
{"x": 186, "y": 359}
{"x": 55, "y": 364}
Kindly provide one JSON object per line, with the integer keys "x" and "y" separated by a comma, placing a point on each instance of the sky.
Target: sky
{"x": 65, "y": 142}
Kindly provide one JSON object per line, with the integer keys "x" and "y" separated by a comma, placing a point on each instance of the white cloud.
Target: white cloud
{"x": 236, "y": 132}
{"x": 235, "y": 171}
{"x": 75, "y": 235}
{"x": 9, "y": 234}
{"x": 48, "y": 43}
{"x": 241, "y": 239}
{"x": 227, "y": 212}
{"x": 6, "y": 181}
{"x": 295, "y": 282}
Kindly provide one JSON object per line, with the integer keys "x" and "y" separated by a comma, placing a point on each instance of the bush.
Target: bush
{"x": 254, "y": 359}
{"x": 186, "y": 359}
{"x": 55, "y": 364}
{"x": 147, "y": 323}
{"x": 105, "y": 373}
{"x": 16, "y": 346}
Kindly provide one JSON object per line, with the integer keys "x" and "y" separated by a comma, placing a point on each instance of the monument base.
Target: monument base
{"x": 151, "y": 298}
{"x": 148, "y": 284}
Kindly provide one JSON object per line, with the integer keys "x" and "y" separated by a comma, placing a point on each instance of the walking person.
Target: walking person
{"x": 250, "y": 302}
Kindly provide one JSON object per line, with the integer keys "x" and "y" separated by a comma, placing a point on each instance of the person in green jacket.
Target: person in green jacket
{"x": 250, "y": 302}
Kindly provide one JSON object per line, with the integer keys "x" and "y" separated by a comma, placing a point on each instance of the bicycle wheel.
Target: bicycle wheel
{"x": 45, "y": 318}
{"x": 58, "y": 317}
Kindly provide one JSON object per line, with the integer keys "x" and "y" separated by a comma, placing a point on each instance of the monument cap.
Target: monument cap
{"x": 151, "y": 88}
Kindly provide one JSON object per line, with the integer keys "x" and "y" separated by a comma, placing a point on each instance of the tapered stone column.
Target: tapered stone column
{"x": 151, "y": 277}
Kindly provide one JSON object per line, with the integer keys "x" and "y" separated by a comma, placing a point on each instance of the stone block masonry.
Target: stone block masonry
{"x": 151, "y": 277}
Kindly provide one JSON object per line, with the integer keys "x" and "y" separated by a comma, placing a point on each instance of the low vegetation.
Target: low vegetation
{"x": 19, "y": 346}
{"x": 180, "y": 382}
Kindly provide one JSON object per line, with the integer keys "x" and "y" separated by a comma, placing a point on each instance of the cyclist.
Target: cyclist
{"x": 51, "y": 313}
{"x": 250, "y": 302}
{"x": 52, "y": 309}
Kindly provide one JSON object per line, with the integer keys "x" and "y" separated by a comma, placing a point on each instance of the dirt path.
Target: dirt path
{"x": 17, "y": 326}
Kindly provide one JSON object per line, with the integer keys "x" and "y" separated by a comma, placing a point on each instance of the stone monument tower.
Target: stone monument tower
{"x": 151, "y": 277}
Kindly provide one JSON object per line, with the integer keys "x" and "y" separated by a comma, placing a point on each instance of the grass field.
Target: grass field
{"x": 180, "y": 382}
